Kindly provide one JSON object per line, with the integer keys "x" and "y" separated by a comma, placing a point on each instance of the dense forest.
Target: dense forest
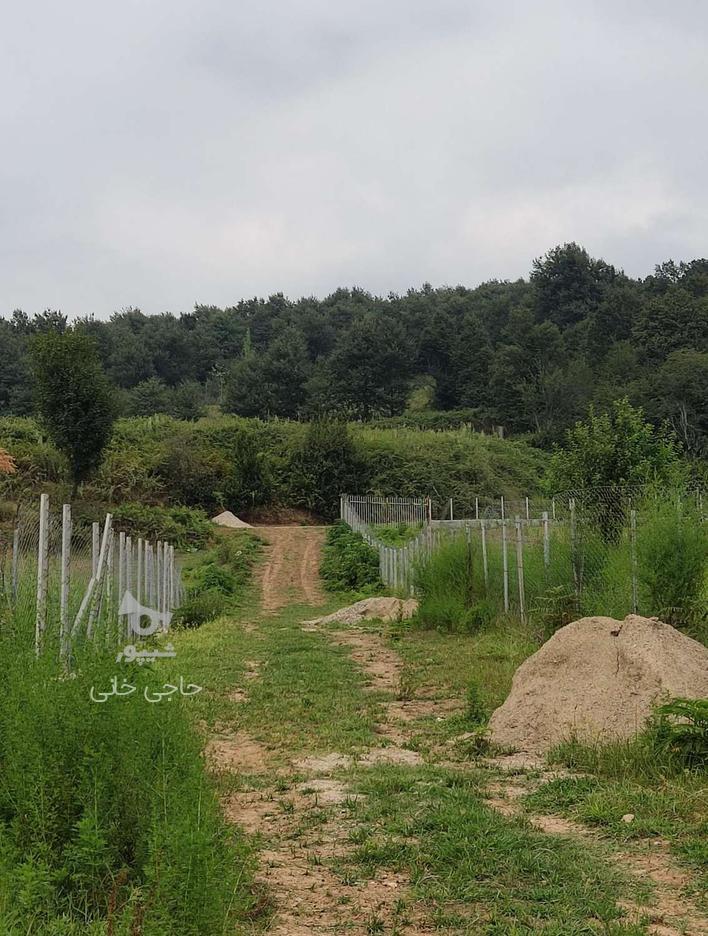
{"x": 529, "y": 356}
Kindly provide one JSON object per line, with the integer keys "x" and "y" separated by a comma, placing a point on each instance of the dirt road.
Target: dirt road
{"x": 290, "y": 574}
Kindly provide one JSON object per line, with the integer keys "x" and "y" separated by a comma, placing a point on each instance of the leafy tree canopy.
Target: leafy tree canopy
{"x": 73, "y": 398}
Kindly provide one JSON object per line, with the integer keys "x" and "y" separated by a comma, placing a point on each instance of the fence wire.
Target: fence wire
{"x": 575, "y": 554}
{"x": 63, "y": 582}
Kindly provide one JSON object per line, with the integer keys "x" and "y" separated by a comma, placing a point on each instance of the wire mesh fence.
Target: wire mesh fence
{"x": 65, "y": 583}
{"x": 581, "y": 552}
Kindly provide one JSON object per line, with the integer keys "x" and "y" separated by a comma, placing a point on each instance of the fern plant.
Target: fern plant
{"x": 682, "y": 731}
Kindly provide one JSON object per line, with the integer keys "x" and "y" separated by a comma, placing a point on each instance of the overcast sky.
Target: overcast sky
{"x": 159, "y": 153}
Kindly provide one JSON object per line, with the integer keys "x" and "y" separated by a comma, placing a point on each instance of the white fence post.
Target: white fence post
{"x": 64, "y": 640}
{"x": 95, "y": 603}
{"x": 574, "y": 552}
{"x": 158, "y": 566}
{"x": 485, "y": 565}
{"x": 42, "y": 572}
{"x": 139, "y": 571}
{"x": 546, "y": 541}
{"x": 520, "y": 569}
{"x": 633, "y": 537}
{"x": 95, "y": 537}
{"x": 121, "y": 565}
{"x": 505, "y": 563}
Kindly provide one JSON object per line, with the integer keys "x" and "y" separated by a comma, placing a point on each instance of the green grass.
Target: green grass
{"x": 108, "y": 820}
{"x": 477, "y": 871}
{"x": 308, "y": 694}
{"x": 448, "y": 664}
{"x": 397, "y": 534}
{"x": 632, "y": 778}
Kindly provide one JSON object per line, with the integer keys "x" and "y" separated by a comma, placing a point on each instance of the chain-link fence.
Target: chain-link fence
{"x": 62, "y": 583}
{"x": 595, "y": 551}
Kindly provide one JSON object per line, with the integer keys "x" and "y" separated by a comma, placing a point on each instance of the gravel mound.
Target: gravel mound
{"x": 384, "y": 609}
{"x": 598, "y": 679}
{"x": 227, "y": 519}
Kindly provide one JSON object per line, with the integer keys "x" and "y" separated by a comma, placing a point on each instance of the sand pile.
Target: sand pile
{"x": 227, "y": 519}
{"x": 598, "y": 679}
{"x": 383, "y": 609}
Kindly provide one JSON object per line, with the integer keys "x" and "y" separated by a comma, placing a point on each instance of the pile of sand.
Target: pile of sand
{"x": 227, "y": 519}
{"x": 383, "y": 609}
{"x": 598, "y": 679}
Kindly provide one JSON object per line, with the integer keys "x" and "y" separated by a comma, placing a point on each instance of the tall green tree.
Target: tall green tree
{"x": 73, "y": 398}
{"x": 615, "y": 447}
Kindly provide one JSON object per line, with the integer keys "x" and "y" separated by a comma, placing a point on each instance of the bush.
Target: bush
{"x": 325, "y": 466}
{"x": 201, "y": 608}
{"x": 451, "y": 588}
{"x": 348, "y": 562}
{"x": 397, "y": 534}
{"x": 181, "y": 526}
{"x": 672, "y": 550}
{"x": 217, "y": 579}
{"x": 108, "y": 821}
{"x": 681, "y": 731}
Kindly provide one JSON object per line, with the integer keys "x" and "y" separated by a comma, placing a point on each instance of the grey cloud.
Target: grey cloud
{"x": 165, "y": 153}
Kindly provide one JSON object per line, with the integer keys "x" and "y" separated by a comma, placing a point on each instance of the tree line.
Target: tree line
{"x": 530, "y": 356}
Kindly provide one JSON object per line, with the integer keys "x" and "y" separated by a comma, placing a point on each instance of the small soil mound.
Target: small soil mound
{"x": 227, "y": 519}
{"x": 382, "y": 609}
{"x": 598, "y": 679}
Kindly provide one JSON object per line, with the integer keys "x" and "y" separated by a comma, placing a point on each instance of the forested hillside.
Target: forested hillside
{"x": 529, "y": 355}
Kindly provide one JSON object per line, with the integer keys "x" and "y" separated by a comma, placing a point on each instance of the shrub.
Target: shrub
{"x": 211, "y": 577}
{"x": 397, "y": 534}
{"x": 452, "y": 593}
{"x": 325, "y": 466}
{"x": 108, "y": 822}
{"x": 181, "y": 526}
{"x": 681, "y": 730}
{"x": 217, "y": 579}
{"x": 672, "y": 550}
{"x": 348, "y": 562}
{"x": 201, "y": 608}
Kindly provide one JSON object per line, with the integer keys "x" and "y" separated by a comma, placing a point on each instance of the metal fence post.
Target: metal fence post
{"x": 42, "y": 573}
{"x": 130, "y": 618}
{"x": 505, "y": 562}
{"x": 95, "y": 537}
{"x": 546, "y": 541}
{"x": 64, "y": 640}
{"x": 633, "y": 539}
{"x": 574, "y": 552}
{"x": 520, "y": 569}
{"x": 485, "y": 565}
{"x": 139, "y": 570}
{"x": 121, "y": 565}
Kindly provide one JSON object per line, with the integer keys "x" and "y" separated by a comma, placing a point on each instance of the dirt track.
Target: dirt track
{"x": 290, "y": 574}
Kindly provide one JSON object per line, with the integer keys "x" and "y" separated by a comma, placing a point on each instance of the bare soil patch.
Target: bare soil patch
{"x": 369, "y": 651}
{"x": 236, "y": 752}
{"x": 291, "y": 573}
